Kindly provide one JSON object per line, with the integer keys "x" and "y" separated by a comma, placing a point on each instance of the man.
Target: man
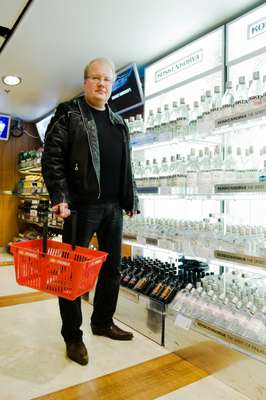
{"x": 86, "y": 166}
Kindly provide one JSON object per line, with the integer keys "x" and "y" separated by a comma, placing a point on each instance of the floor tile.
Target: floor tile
{"x": 208, "y": 389}
{"x": 32, "y": 353}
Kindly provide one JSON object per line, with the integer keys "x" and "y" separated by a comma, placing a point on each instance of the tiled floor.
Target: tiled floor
{"x": 33, "y": 361}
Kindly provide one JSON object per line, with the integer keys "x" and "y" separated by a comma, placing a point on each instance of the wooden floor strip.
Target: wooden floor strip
{"x": 13, "y": 300}
{"x": 146, "y": 381}
{"x": 6, "y": 263}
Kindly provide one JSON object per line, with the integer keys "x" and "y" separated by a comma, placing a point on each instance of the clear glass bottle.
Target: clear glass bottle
{"x": 165, "y": 119}
{"x": 193, "y": 119}
{"x": 241, "y": 97}
{"x": 157, "y": 120}
{"x": 216, "y": 104}
{"x": 150, "y": 122}
{"x": 255, "y": 91}
{"x": 173, "y": 119}
{"x": 228, "y": 100}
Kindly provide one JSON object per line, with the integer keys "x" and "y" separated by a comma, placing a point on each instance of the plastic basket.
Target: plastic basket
{"x": 63, "y": 270}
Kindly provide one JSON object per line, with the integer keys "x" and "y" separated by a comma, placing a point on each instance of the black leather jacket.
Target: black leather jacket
{"x": 71, "y": 157}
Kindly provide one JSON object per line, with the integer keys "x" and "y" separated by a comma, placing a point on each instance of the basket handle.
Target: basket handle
{"x": 73, "y": 231}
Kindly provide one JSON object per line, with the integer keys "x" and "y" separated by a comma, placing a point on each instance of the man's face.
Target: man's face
{"x": 98, "y": 84}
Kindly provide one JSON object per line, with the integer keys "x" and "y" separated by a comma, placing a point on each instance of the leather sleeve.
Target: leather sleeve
{"x": 54, "y": 158}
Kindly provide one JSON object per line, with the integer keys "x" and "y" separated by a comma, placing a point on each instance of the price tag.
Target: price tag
{"x": 183, "y": 322}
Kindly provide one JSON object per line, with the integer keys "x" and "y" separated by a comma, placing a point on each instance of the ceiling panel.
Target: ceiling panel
{"x": 55, "y": 39}
{"x": 10, "y": 11}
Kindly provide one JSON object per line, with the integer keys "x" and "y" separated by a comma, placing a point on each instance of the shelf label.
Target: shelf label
{"x": 183, "y": 322}
{"x": 240, "y": 258}
{"x": 231, "y": 338}
{"x": 240, "y": 187}
{"x": 241, "y": 117}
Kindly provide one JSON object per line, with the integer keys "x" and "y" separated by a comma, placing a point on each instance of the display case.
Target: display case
{"x": 200, "y": 168}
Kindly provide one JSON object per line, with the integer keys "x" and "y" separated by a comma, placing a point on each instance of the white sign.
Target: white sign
{"x": 246, "y": 34}
{"x": 179, "y": 65}
{"x": 257, "y": 28}
{"x": 198, "y": 57}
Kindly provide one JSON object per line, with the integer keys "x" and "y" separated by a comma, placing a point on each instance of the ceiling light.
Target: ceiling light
{"x": 11, "y": 80}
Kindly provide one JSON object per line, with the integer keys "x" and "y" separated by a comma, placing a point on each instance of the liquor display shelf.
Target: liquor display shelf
{"x": 219, "y": 257}
{"x": 222, "y": 191}
{"x": 223, "y": 336}
{"x": 29, "y": 221}
{"x": 218, "y": 127}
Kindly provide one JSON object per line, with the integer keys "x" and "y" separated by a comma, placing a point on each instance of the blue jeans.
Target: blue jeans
{"x": 104, "y": 219}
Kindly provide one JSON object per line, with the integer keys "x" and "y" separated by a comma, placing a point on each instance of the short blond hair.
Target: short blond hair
{"x": 103, "y": 60}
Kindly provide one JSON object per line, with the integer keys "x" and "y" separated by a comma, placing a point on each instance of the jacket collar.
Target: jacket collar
{"x": 114, "y": 118}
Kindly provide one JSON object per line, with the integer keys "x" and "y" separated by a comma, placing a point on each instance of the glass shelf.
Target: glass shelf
{"x": 226, "y": 337}
{"x": 221, "y": 126}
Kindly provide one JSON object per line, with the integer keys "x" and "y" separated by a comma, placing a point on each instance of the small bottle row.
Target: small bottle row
{"x": 28, "y": 159}
{"x": 160, "y": 280}
{"x": 233, "y": 301}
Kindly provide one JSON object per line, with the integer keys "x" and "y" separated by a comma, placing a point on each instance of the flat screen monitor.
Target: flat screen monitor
{"x": 5, "y": 121}
{"x": 127, "y": 91}
{"x": 42, "y": 126}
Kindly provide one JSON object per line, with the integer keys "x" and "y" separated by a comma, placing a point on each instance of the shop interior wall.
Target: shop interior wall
{"x": 9, "y": 177}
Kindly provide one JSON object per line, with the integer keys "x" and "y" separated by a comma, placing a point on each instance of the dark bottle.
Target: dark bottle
{"x": 143, "y": 282}
{"x": 152, "y": 282}
{"x": 136, "y": 277}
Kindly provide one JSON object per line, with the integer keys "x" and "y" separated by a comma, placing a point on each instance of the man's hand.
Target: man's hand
{"x": 61, "y": 210}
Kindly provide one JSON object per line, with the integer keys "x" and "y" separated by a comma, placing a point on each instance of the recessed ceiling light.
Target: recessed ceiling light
{"x": 11, "y": 80}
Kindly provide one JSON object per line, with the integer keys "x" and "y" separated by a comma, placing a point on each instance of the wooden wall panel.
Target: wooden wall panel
{"x": 9, "y": 176}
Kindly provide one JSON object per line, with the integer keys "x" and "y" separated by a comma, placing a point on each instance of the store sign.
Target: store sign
{"x": 185, "y": 64}
{"x": 179, "y": 65}
{"x": 257, "y": 28}
{"x": 246, "y": 34}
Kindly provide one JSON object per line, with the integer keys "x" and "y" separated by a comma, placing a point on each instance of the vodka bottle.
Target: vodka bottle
{"x": 255, "y": 92}
{"x": 165, "y": 119}
{"x": 200, "y": 124}
{"x": 193, "y": 119}
{"x": 173, "y": 119}
{"x": 131, "y": 125}
{"x": 155, "y": 170}
{"x": 216, "y": 103}
{"x": 192, "y": 173}
{"x": 228, "y": 100}
{"x": 206, "y": 112}
{"x": 182, "y": 120}
{"x": 241, "y": 98}
{"x": 147, "y": 169}
{"x": 172, "y": 165}
{"x": 240, "y": 172}
{"x": 217, "y": 166}
{"x": 164, "y": 169}
{"x": 264, "y": 90}
{"x": 229, "y": 164}
{"x": 150, "y": 122}
{"x": 157, "y": 120}
{"x": 204, "y": 175}
{"x": 138, "y": 124}
{"x": 251, "y": 165}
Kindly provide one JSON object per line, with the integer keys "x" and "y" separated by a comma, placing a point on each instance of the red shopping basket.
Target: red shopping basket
{"x": 60, "y": 269}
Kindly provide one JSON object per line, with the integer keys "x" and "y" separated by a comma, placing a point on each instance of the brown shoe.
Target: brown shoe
{"x": 113, "y": 332}
{"x": 77, "y": 352}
